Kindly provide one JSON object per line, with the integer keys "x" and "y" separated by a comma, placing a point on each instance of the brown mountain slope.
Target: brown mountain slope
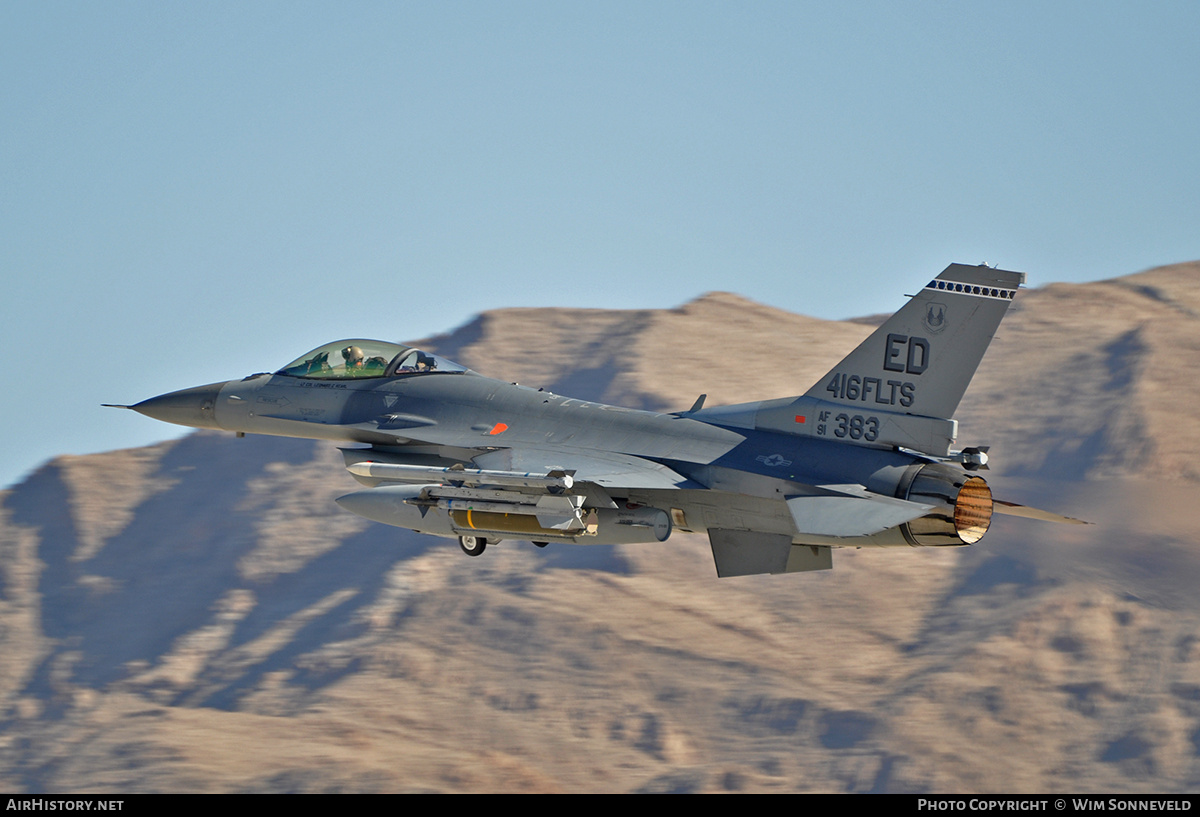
{"x": 199, "y": 615}
{"x": 721, "y": 344}
{"x": 1097, "y": 379}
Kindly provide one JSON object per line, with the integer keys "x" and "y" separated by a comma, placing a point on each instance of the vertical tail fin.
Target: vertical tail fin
{"x": 901, "y": 386}
{"x": 921, "y": 360}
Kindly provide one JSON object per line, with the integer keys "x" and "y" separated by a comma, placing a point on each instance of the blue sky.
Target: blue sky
{"x": 193, "y": 192}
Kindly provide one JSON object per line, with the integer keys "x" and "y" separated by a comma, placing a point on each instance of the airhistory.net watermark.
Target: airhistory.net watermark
{"x": 45, "y": 804}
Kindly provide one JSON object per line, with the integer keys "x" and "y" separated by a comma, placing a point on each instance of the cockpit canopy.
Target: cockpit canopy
{"x": 358, "y": 358}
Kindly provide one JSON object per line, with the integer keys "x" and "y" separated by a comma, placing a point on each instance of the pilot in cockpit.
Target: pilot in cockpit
{"x": 353, "y": 355}
{"x": 357, "y": 364}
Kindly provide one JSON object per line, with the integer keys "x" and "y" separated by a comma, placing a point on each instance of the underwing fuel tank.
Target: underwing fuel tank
{"x": 411, "y": 506}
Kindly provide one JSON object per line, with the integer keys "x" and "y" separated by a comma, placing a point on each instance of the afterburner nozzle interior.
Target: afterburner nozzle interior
{"x": 964, "y": 505}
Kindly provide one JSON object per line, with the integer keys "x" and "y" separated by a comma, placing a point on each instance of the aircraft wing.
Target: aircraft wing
{"x": 603, "y": 468}
{"x": 507, "y": 467}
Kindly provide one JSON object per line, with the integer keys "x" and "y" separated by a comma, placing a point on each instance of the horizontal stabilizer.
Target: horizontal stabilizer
{"x": 851, "y": 515}
{"x": 1013, "y": 509}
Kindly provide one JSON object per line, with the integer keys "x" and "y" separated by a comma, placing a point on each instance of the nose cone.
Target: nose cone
{"x": 187, "y": 407}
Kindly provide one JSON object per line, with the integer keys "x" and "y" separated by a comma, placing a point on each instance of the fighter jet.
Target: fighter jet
{"x": 865, "y": 457}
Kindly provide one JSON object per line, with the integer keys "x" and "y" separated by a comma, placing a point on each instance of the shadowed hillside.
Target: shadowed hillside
{"x": 199, "y": 615}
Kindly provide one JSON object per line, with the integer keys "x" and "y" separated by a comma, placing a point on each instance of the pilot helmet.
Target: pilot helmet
{"x": 353, "y": 355}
